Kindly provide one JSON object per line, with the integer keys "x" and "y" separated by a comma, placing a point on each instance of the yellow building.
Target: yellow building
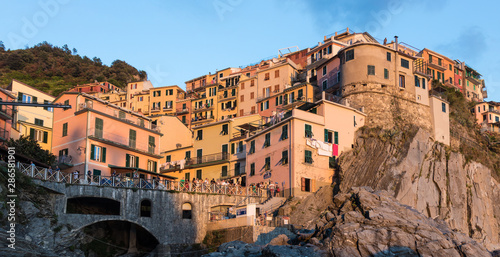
{"x": 138, "y": 96}
{"x": 35, "y": 122}
{"x": 163, "y": 99}
{"x": 115, "y": 97}
{"x": 218, "y": 151}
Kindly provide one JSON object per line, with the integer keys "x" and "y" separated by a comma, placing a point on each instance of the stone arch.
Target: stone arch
{"x": 92, "y": 205}
{"x": 145, "y": 208}
{"x": 187, "y": 210}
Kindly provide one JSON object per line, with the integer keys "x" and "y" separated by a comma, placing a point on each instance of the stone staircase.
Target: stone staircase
{"x": 271, "y": 204}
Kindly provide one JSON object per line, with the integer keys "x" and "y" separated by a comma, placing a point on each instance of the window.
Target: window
{"x": 199, "y": 135}
{"x": 199, "y": 174}
{"x": 242, "y": 85}
{"x": 47, "y": 108}
{"x": 308, "y": 156}
{"x": 188, "y": 155}
{"x": 266, "y": 76}
{"x": 131, "y": 161}
{"x": 66, "y": 103}
{"x": 65, "y": 129}
{"x": 324, "y": 70}
{"x": 152, "y": 165}
{"x": 267, "y": 141}
{"x": 98, "y": 153}
{"x": 242, "y": 98}
{"x": 308, "y": 131}
{"x": 386, "y": 74}
{"x": 186, "y": 209}
{"x": 284, "y": 132}
{"x": 371, "y": 70}
{"x": 349, "y": 55}
{"x": 430, "y": 58}
{"x": 405, "y": 63}
{"x": 145, "y": 208}
{"x": 225, "y": 129}
{"x": 252, "y": 169}
{"x": 284, "y": 157}
{"x": 252, "y": 147}
{"x": 449, "y": 67}
{"x": 443, "y": 107}
{"x": 388, "y": 56}
{"x": 423, "y": 83}
{"x": 264, "y": 105}
{"x": 439, "y": 62}
{"x": 63, "y": 152}
{"x": 151, "y": 144}
{"x": 267, "y": 164}
{"x": 328, "y": 136}
{"x": 331, "y": 162}
{"x": 240, "y": 147}
{"x": 168, "y": 158}
{"x": 233, "y": 148}
{"x": 325, "y": 84}
{"x": 252, "y": 83}
{"x": 99, "y": 124}
{"x": 402, "y": 81}
{"x": 417, "y": 82}
{"x": 277, "y": 73}
{"x": 224, "y": 171}
{"x": 252, "y": 95}
{"x": 306, "y": 184}
{"x": 132, "y": 138}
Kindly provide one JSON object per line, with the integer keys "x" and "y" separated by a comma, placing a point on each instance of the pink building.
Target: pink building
{"x": 6, "y": 116}
{"x": 299, "y": 151}
{"x": 104, "y": 138}
{"x": 328, "y": 75}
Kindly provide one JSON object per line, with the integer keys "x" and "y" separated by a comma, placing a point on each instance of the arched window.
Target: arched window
{"x": 186, "y": 211}
{"x": 145, "y": 208}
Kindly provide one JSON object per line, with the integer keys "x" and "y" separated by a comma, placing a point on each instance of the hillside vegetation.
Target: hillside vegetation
{"x": 55, "y": 69}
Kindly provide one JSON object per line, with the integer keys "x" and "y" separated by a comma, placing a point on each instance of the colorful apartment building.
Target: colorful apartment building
{"x": 247, "y": 95}
{"x": 163, "y": 99}
{"x": 104, "y": 138}
{"x": 228, "y": 96}
{"x": 488, "y": 115}
{"x": 298, "y": 152}
{"x": 475, "y": 89}
{"x": 35, "y": 122}
{"x": 138, "y": 96}
{"x": 7, "y": 117}
{"x": 217, "y": 152}
{"x": 115, "y": 97}
{"x": 96, "y": 87}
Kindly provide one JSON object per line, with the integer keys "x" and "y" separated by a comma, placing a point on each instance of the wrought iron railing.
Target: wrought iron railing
{"x": 47, "y": 174}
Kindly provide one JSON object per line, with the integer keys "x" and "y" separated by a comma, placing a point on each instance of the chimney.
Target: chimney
{"x": 397, "y": 44}
{"x": 324, "y": 38}
{"x": 335, "y": 33}
{"x": 323, "y": 95}
{"x": 347, "y": 30}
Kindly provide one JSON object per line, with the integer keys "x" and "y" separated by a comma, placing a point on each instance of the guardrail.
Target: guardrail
{"x": 126, "y": 182}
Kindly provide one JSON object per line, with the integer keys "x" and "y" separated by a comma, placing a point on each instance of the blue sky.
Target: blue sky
{"x": 175, "y": 41}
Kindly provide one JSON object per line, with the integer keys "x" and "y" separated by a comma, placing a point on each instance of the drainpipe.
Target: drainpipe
{"x": 396, "y": 78}
{"x": 290, "y": 163}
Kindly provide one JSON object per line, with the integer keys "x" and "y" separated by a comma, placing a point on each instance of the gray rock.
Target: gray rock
{"x": 279, "y": 240}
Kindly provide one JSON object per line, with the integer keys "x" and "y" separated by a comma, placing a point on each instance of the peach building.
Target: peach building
{"x": 138, "y": 96}
{"x": 162, "y": 100}
{"x": 35, "y": 122}
{"x": 104, "y": 138}
{"x": 96, "y": 87}
{"x": 488, "y": 115}
{"x": 299, "y": 151}
{"x": 247, "y": 95}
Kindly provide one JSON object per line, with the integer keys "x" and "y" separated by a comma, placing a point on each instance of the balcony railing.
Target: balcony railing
{"x": 180, "y": 110}
{"x": 122, "y": 140}
{"x": 202, "y": 119}
{"x": 196, "y": 161}
{"x": 6, "y": 112}
{"x": 435, "y": 64}
{"x": 156, "y": 109}
{"x": 4, "y": 134}
{"x": 203, "y": 107}
{"x": 233, "y": 173}
{"x": 227, "y": 97}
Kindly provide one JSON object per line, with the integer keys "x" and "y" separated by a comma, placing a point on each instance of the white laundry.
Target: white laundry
{"x": 324, "y": 149}
{"x": 182, "y": 163}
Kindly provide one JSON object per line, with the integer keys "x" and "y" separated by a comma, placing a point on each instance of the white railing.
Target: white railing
{"x": 122, "y": 140}
{"x": 126, "y": 182}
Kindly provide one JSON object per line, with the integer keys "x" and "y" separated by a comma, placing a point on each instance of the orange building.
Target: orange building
{"x": 104, "y": 138}
{"x": 7, "y": 116}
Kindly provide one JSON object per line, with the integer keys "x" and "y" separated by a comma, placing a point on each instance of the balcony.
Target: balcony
{"x": 167, "y": 108}
{"x": 155, "y": 109}
{"x": 122, "y": 141}
{"x": 436, "y": 65}
{"x": 5, "y": 112}
{"x": 201, "y": 161}
{"x": 65, "y": 161}
{"x": 226, "y": 97}
{"x": 203, "y": 108}
{"x": 233, "y": 173}
{"x": 202, "y": 119}
{"x": 182, "y": 111}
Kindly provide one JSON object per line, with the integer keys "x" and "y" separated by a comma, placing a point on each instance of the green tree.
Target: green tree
{"x": 2, "y": 47}
{"x": 29, "y": 147}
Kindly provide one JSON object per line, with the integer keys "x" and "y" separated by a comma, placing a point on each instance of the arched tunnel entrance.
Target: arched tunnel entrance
{"x": 116, "y": 238}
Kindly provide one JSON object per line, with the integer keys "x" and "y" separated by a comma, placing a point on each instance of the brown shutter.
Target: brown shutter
{"x": 303, "y": 184}
{"x": 313, "y": 185}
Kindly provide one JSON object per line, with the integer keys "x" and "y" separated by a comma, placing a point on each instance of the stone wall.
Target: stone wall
{"x": 386, "y": 107}
{"x": 166, "y": 222}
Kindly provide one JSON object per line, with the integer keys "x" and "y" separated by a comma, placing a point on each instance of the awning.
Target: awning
{"x": 120, "y": 169}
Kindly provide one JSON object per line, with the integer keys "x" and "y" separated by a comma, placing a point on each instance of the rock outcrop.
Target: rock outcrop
{"x": 428, "y": 176}
{"x": 363, "y": 222}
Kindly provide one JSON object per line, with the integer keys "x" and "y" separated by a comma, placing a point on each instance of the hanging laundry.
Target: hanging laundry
{"x": 335, "y": 150}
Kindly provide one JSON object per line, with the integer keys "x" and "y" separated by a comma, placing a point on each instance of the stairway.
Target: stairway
{"x": 271, "y": 204}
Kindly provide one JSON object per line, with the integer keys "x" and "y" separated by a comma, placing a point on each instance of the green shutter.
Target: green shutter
{"x": 336, "y": 136}
{"x": 20, "y": 97}
{"x": 232, "y": 148}
{"x": 127, "y": 160}
{"x": 155, "y": 166}
{"x": 103, "y": 154}
{"x": 92, "y": 151}
{"x": 32, "y": 133}
{"x": 137, "y": 161}
{"x": 99, "y": 124}
{"x": 34, "y": 99}
{"x": 45, "y": 136}
{"x": 326, "y": 135}
{"x": 65, "y": 129}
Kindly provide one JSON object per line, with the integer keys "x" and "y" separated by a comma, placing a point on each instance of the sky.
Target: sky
{"x": 175, "y": 41}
